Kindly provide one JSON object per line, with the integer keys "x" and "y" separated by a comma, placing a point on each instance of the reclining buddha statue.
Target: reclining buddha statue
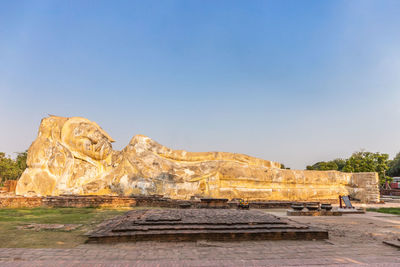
{"x": 75, "y": 156}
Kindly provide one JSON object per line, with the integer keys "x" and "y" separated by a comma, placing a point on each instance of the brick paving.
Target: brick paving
{"x": 355, "y": 240}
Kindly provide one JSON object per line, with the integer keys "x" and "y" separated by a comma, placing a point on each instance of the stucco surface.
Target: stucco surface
{"x": 75, "y": 156}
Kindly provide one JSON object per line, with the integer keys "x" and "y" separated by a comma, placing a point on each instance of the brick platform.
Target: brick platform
{"x": 313, "y": 213}
{"x": 195, "y": 224}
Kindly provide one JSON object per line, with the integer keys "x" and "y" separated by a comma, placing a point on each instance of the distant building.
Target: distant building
{"x": 396, "y": 179}
{"x": 395, "y": 183}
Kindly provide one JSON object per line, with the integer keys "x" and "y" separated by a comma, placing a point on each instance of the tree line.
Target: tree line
{"x": 363, "y": 161}
{"x": 11, "y": 169}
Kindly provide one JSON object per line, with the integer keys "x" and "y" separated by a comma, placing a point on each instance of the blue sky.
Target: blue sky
{"x": 290, "y": 81}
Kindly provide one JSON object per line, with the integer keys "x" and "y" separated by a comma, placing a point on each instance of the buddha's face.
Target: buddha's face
{"x": 88, "y": 139}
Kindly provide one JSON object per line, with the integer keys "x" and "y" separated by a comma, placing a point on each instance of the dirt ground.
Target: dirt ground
{"x": 371, "y": 227}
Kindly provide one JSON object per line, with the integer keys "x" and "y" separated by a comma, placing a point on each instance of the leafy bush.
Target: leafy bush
{"x": 11, "y": 169}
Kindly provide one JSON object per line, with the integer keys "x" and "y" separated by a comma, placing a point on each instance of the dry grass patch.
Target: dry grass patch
{"x": 16, "y": 231}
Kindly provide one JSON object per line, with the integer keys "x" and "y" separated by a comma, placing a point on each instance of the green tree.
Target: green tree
{"x": 394, "y": 166}
{"x": 364, "y": 161}
{"x": 323, "y": 166}
{"x": 336, "y": 164}
{"x": 12, "y": 169}
{"x": 21, "y": 161}
{"x": 284, "y": 167}
{"x": 340, "y": 163}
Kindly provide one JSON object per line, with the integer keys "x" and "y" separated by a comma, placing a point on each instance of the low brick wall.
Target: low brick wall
{"x": 151, "y": 201}
{"x": 89, "y": 201}
{"x": 20, "y": 202}
{"x": 9, "y": 186}
{"x": 67, "y": 201}
{"x": 270, "y": 204}
{"x": 390, "y": 192}
{"x": 119, "y": 202}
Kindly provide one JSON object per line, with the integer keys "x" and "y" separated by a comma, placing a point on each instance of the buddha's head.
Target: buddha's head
{"x": 85, "y": 139}
{"x": 54, "y": 158}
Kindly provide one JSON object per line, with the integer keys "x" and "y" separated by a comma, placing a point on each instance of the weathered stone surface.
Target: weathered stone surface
{"x": 195, "y": 224}
{"x": 75, "y": 156}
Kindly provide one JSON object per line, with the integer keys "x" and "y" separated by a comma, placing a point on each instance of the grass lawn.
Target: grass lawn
{"x": 11, "y": 219}
{"x": 395, "y": 211}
